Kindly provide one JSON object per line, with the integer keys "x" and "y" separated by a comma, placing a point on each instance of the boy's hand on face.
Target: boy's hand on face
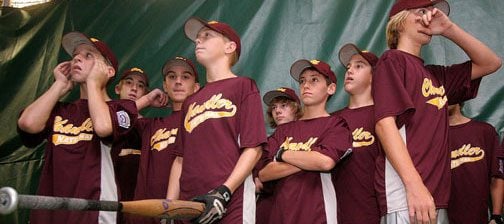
{"x": 98, "y": 74}
{"x": 157, "y": 98}
{"x": 62, "y": 76}
{"x": 436, "y": 21}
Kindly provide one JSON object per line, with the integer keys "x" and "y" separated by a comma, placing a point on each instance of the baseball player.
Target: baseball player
{"x": 354, "y": 178}
{"x": 158, "y": 135}
{"x": 284, "y": 106}
{"x": 77, "y": 159}
{"x": 304, "y": 152}
{"x": 411, "y": 110}
{"x": 474, "y": 167}
{"x": 133, "y": 84}
{"x": 222, "y": 132}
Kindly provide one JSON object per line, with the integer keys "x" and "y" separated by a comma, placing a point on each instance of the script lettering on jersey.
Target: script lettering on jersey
{"x": 69, "y": 134}
{"x": 298, "y": 146}
{"x": 215, "y": 107}
{"x": 428, "y": 89}
{"x": 362, "y": 138}
{"x": 162, "y": 138}
{"x": 466, "y": 154}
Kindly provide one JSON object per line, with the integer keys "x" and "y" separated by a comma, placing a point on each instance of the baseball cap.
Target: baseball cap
{"x": 180, "y": 61}
{"x": 299, "y": 66}
{"x": 136, "y": 71}
{"x": 282, "y": 91}
{"x": 73, "y": 39}
{"x": 194, "y": 24}
{"x": 401, "y": 5}
{"x": 348, "y": 50}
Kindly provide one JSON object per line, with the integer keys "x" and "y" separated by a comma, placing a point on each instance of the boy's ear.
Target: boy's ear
{"x": 230, "y": 47}
{"x": 196, "y": 87}
{"x": 110, "y": 72}
{"x": 331, "y": 89}
{"x": 117, "y": 88}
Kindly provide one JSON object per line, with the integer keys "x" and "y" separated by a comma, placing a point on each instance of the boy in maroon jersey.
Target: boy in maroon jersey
{"x": 158, "y": 135}
{"x": 77, "y": 162}
{"x": 411, "y": 112}
{"x": 475, "y": 169}
{"x": 133, "y": 84}
{"x": 304, "y": 152}
{"x": 354, "y": 178}
{"x": 222, "y": 131}
{"x": 283, "y": 107}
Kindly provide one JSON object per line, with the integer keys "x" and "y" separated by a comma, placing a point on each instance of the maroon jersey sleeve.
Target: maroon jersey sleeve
{"x": 336, "y": 140}
{"x": 251, "y": 120}
{"x": 178, "y": 149}
{"x": 457, "y": 81}
{"x": 389, "y": 93}
{"x": 123, "y": 115}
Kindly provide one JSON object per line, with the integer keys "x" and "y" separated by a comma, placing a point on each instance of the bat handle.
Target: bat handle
{"x": 8, "y": 200}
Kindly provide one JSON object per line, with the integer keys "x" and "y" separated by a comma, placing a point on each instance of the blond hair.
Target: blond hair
{"x": 394, "y": 26}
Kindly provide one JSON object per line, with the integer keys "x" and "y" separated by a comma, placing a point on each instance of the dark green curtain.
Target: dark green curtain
{"x": 274, "y": 34}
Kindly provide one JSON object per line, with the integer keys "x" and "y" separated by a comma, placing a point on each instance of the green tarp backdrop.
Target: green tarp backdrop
{"x": 274, "y": 34}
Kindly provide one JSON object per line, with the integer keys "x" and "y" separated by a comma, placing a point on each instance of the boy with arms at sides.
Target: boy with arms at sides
{"x": 132, "y": 85}
{"x": 411, "y": 112}
{"x": 222, "y": 131}
{"x": 158, "y": 135}
{"x": 475, "y": 169}
{"x": 77, "y": 163}
{"x": 284, "y": 106}
{"x": 354, "y": 178}
{"x": 303, "y": 153}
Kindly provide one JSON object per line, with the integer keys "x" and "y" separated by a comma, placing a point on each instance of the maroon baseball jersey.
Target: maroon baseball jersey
{"x": 354, "y": 178}
{"x": 308, "y": 196}
{"x": 76, "y": 163}
{"x": 158, "y": 140}
{"x": 126, "y": 158}
{"x": 473, "y": 147}
{"x": 417, "y": 95}
{"x": 219, "y": 121}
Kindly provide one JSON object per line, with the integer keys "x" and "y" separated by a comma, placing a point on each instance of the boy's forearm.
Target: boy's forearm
{"x": 173, "y": 190}
{"x": 99, "y": 111}
{"x": 277, "y": 170}
{"x": 485, "y": 60}
{"x": 497, "y": 194}
{"x": 309, "y": 160}
{"x": 248, "y": 159}
{"x": 35, "y": 116}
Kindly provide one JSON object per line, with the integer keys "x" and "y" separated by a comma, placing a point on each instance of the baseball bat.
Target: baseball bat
{"x": 10, "y": 200}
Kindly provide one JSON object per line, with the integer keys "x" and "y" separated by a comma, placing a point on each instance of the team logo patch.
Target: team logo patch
{"x": 123, "y": 119}
{"x": 428, "y": 89}
{"x": 466, "y": 154}
{"x": 66, "y": 133}
{"x": 215, "y": 107}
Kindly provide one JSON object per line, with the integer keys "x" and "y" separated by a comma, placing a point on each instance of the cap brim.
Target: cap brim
{"x": 443, "y": 6}
{"x": 269, "y": 96}
{"x": 73, "y": 39}
{"x": 176, "y": 62}
{"x": 192, "y": 27}
{"x": 346, "y": 52}
{"x": 298, "y": 67}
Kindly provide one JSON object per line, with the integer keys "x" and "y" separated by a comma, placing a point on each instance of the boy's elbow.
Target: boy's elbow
{"x": 103, "y": 130}
{"x": 28, "y": 125}
{"x": 327, "y": 164}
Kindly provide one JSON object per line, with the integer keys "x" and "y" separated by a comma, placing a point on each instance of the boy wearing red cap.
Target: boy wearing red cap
{"x": 284, "y": 106}
{"x": 221, "y": 137}
{"x": 77, "y": 159}
{"x": 303, "y": 153}
{"x": 411, "y": 110}
{"x": 354, "y": 178}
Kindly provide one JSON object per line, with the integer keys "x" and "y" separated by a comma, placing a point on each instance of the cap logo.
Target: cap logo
{"x": 135, "y": 69}
{"x": 180, "y": 58}
{"x": 365, "y": 51}
{"x": 281, "y": 90}
{"x": 315, "y": 62}
{"x": 212, "y": 22}
{"x": 93, "y": 39}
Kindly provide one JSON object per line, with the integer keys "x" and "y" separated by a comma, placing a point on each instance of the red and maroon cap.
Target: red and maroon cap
{"x": 348, "y": 50}
{"x": 282, "y": 91}
{"x": 194, "y": 24}
{"x": 180, "y": 61}
{"x": 401, "y": 5}
{"x": 73, "y": 39}
{"x": 136, "y": 71}
{"x": 299, "y": 66}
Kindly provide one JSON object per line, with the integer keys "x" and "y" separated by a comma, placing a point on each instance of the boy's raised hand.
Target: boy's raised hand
{"x": 436, "y": 21}
{"x": 99, "y": 73}
{"x": 62, "y": 76}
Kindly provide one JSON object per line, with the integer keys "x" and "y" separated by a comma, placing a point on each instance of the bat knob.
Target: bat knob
{"x": 8, "y": 200}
